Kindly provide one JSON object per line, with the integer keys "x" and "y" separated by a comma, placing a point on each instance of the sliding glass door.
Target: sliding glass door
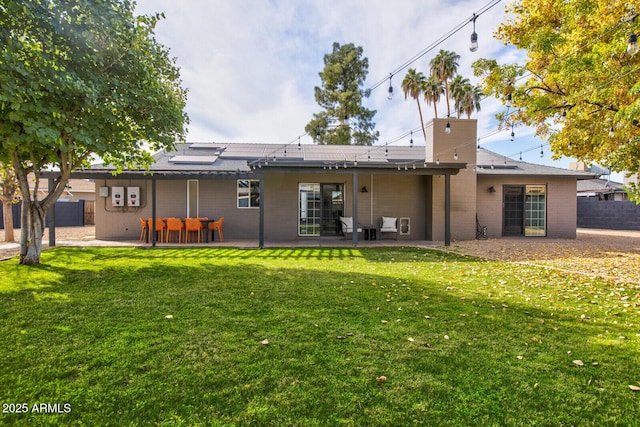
{"x": 524, "y": 210}
{"x": 319, "y": 209}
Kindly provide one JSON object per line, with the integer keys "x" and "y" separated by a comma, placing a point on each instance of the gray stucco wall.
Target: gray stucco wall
{"x": 609, "y": 214}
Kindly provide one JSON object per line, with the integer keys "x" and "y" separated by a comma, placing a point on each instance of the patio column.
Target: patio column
{"x": 152, "y": 236}
{"x": 354, "y": 235}
{"x": 447, "y": 210}
{"x": 51, "y": 217}
{"x": 261, "y": 220}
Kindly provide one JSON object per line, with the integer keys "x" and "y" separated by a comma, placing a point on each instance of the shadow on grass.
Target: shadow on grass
{"x": 198, "y": 337}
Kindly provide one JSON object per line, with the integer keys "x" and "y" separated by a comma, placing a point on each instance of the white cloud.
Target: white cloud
{"x": 251, "y": 66}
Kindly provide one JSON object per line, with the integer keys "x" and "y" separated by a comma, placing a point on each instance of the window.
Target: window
{"x": 535, "y": 211}
{"x": 309, "y": 210}
{"x": 248, "y": 193}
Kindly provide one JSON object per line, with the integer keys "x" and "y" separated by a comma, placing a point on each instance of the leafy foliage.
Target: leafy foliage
{"x": 344, "y": 119}
{"x": 81, "y": 78}
{"x": 578, "y": 86}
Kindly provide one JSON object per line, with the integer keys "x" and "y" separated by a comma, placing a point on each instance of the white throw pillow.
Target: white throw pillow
{"x": 347, "y": 222}
{"x": 388, "y": 222}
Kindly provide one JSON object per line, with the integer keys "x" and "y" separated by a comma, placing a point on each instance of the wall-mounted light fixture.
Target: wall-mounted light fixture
{"x": 364, "y": 189}
{"x": 492, "y": 189}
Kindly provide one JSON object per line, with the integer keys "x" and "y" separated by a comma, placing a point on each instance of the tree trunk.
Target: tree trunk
{"x": 424, "y": 132}
{"x": 32, "y": 231}
{"x": 7, "y": 211}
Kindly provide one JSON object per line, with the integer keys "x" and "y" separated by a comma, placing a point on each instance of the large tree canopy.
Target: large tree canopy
{"x": 344, "y": 119}
{"x": 579, "y": 86}
{"x": 81, "y": 78}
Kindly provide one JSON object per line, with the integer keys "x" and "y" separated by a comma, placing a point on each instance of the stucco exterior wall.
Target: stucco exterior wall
{"x": 561, "y": 203}
{"x": 443, "y": 147}
{"x": 388, "y": 195}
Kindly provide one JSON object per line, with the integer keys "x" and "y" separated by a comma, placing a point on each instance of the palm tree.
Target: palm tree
{"x": 443, "y": 67}
{"x": 413, "y": 85}
{"x": 433, "y": 89}
{"x": 459, "y": 88}
{"x": 471, "y": 100}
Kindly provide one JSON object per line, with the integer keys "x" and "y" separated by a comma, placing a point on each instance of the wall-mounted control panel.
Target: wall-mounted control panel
{"x": 133, "y": 196}
{"x": 117, "y": 196}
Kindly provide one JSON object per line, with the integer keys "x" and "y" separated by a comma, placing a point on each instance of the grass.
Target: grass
{"x": 221, "y": 337}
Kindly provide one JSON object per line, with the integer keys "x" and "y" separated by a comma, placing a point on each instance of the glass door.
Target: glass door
{"x": 332, "y": 209}
{"x": 513, "y": 211}
{"x": 319, "y": 209}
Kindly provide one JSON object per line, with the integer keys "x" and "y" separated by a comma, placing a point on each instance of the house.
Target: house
{"x": 268, "y": 192}
{"x": 603, "y": 189}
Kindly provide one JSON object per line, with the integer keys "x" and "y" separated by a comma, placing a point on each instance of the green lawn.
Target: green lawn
{"x": 300, "y": 336}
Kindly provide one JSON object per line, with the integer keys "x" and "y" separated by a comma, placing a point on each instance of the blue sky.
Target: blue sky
{"x": 251, "y": 65}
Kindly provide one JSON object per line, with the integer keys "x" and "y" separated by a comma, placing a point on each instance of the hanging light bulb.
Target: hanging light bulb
{"x": 411, "y": 140}
{"x": 414, "y": 166}
{"x": 368, "y": 155}
{"x": 355, "y": 162}
{"x": 521, "y": 156}
{"x": 455, "y": 154}
{"x": 541, "y": 152}
{"x": 390, "y": 93}
{"x": 474, "y": 36}
{"x": 632, "y": 48}
{"x": 299, "y": 146}
{"x": 509, "y": 101}
{"x": 478, "y": 144}
{"x": 569, "y": 146}
{"x": 285, "y": 151}
{"x": 447, "y": 128}
{"x": 513, "y": 135}
{"x": 438, "y": 160}
{"x": 611, "y": 133}
{"x": 386, "y": 151}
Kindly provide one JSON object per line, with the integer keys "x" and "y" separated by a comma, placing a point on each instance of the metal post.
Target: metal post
{"x": 52, "y": 218}
{"x": 261, "y": 204}
{"x": 152, "y": 230}
{"x": 447, "y": 210}
{"x": 354, "y": 235}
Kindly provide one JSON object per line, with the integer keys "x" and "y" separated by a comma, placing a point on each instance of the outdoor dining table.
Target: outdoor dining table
{"x": 205, "y": 228}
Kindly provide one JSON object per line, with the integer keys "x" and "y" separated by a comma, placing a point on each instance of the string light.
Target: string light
{"x": 611, "y": 134}
{"x": 411, "y": 140}
{"x": 447, "y": 128}
{"x": 455, "y": 154}
{"x": 390, "y": 92}
{"x": 541, "y": 152}
{"x": 474, "y": 36}
{"x": 513, "y": 135}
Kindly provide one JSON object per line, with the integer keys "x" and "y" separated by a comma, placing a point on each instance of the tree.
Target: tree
{"x": 81, "y": 78}
{"x": 344, "y": 119}
{"x": 443, "y": 67}
{"x": 413, "y": 85}
{"x": 433, "y": 90}
{"x": 466, "y": 96}
{"x": 578, "y": 86}
{"x": 8, "y": 196}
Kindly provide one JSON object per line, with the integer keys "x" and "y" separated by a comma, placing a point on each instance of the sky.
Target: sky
{"x": 251, "y": 66}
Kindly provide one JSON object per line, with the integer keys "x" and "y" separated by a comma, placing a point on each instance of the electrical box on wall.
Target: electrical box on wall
{"x": 103, "y": 192}
{"x": 133, "y": 196}
{"x": 117, "y": 196}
